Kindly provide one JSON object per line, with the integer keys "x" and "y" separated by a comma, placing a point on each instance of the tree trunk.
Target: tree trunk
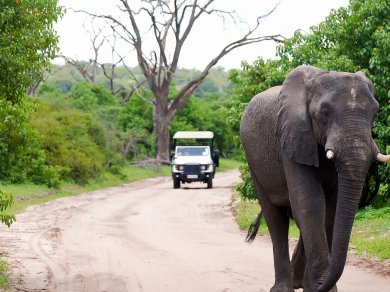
{"x": 162, "y": 135}
{"x": 161, "y": 130}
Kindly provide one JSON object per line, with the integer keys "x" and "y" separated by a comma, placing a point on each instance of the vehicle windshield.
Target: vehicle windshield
{"x": 192, "y": 151}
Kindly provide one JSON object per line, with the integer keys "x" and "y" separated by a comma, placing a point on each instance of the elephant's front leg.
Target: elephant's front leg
{"x": 308, "y": 206}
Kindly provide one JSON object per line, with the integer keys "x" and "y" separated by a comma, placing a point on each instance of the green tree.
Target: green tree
{"x": 88, "y": 96}
{"x": 27, "y": 43}
{"x": 135, "y": 129}
{"x": 73, "y": 142}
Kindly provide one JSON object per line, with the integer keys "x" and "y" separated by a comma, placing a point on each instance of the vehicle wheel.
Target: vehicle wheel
{"x": 176, "y": 183}
{"x": 209, "y": 183}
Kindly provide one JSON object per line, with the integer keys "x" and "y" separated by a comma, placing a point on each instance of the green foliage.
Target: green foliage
{"x": 6, "y": 201}
{"x": 27, "y": 43}
{"x": 21, "y": 155}
{"x": 88, "y": 96}
{"x": 135, "y": 124}
{"x": 136, "y": 114}
{"x": 246, "y": 188}
{"x": 72, "y": 141}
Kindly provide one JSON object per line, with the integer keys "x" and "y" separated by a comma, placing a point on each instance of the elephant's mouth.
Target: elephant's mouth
{"x": 379, "y": 157}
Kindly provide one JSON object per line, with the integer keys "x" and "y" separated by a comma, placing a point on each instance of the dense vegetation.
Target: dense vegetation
{"x": 27, "y": 44}
{"x": 80, "y": 129}
{"x": 350, "y": 39}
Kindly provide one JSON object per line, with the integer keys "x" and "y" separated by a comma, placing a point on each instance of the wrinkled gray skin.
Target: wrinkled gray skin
{"x": 286, "y": 132}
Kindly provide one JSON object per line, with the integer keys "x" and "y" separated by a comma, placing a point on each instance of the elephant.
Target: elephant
{"x": 309, "y": 147}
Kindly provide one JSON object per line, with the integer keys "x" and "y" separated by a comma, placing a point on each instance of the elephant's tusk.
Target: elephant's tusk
{"x": 329, "y": 154}
{"x": 383, "y": 158}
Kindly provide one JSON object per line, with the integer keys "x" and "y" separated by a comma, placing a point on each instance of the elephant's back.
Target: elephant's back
{"x": 260, "y": 116}
{"x": 261, "y": 145}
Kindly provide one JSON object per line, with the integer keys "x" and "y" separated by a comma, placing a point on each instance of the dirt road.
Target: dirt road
{"x": 145, "y": 236}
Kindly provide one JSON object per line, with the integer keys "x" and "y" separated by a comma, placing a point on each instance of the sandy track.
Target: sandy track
{"x": 145, "y": 236}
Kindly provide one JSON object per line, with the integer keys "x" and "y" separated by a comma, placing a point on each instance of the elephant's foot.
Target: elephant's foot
{"x": 298, "y": 277}
{"x": 282, "y": 287}
{"x": 334, "y": 289}
{"x": 298, "y": 282}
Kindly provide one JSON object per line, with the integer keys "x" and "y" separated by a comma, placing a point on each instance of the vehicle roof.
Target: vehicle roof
{"x": 193, "y": 135}
{"x": 192, "y": 146}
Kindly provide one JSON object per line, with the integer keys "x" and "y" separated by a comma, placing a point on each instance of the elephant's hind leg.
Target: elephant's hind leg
{"x": 278, "y": 223}
{"x": 277, "y": 219}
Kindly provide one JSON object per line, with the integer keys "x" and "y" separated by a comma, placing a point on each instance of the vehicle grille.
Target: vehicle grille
{"x": 192, "y": 169}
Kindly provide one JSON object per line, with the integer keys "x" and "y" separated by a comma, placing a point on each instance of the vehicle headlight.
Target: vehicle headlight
{"x": 180, "y": 167}
{"x": 203, "y": 167}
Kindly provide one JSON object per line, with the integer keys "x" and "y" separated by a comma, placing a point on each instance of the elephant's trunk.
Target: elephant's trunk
{"x": 352, "y": 163}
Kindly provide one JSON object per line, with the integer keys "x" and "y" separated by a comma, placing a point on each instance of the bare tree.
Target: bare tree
{"x": 109, "y": 72}
{"x": 171, "y": 22}
{"x": 109, "y": 68}
{"x": 89, "y": 69}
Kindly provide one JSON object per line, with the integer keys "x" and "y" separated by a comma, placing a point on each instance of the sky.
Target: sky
{"x": 209, "y": 35}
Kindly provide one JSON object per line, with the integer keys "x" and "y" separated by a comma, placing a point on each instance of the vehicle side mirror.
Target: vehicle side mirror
{"x": 216, "y": 157}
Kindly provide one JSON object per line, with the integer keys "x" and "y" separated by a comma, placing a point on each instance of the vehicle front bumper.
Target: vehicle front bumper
{"x": 191, "y": 177}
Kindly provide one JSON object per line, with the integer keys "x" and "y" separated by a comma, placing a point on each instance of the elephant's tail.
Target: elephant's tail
{"x": 252, "y": 232}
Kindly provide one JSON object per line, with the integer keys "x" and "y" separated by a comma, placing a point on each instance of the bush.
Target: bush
{"x": 70, "y": 143}
{"x": 89, "y": 96}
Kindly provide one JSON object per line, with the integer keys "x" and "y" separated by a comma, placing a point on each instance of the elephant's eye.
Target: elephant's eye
{"x": 324, "y": 113}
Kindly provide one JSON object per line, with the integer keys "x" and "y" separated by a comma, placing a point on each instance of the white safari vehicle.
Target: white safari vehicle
{"x": 194, "y": 158}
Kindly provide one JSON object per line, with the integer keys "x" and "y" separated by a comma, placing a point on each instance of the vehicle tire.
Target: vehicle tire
{"x": 176, "y": 183}
{"x": 210, "y": 183}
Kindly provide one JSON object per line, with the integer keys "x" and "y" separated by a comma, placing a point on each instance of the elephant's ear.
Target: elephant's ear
{"x": 294, "y": 127}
